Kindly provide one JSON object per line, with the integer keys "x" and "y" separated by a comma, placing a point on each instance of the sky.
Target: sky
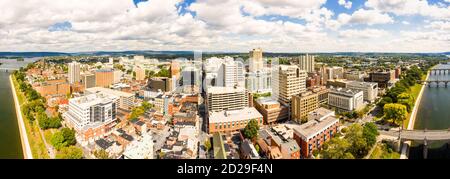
{"x": 226, "y": 25}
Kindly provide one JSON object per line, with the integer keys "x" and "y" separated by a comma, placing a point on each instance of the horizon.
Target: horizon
{"x": 229, "y": 26}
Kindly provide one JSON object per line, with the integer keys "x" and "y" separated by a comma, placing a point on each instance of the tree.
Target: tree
{"x": 101, "y": 154}
{"x": 207, "y": 145}
{"x": 57, "y": 141}
{"x": 358, "y": 144}
{"x": 395, "y": 112}
{"x": 70, "y": 152}
{"x": 336, "y": 148}
{"x": 146, "y": 105}
{"x": 251, "y": 130}
{"x": 63, "y": 138}
{"x": 370, "y": 133}
{"x": 407, "y": 100}
{"x": 69, "y": 136}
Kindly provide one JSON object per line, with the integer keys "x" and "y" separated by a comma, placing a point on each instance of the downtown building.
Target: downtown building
{"x": 322, "y": 125}
{"x": 306, "y": 63}
{"x": 125, "y": 102}
{"x": 345, "y": 99}
{"x": 92, "y": 116}
{"x": 104, "y": 78}
{"x": 287, "y": 81}
{"x": 74, "y": 72}
{"x": 259, "y": 78}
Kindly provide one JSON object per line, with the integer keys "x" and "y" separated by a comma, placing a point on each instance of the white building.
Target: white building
{"x": 91, "y": 110}
{"x": 140, "y": 149}
{"x": 226, "y": 98}
{"x": 259, "y": 82}
{"x": 345, "y": 99}
{"x": 256, "y": 62}
{"x": 231, "y": 73}
{"x": 126, "y": 100}
{"x": 74, "y": 72}
{"x": 369, "y": 89}
{"x": 306, "y": 63}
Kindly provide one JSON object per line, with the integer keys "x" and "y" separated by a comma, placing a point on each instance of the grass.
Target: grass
{"x": 383, "y": 151}
{"x": 414, "y": 91}
{"x": 38, "y": 149}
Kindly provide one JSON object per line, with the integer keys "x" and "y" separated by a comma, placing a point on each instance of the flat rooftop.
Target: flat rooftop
{"x": 267, "y": 101}
{"x": 93, "y": 99}
{"x": 224, "y": 90}
{"x": 362, "y": 84}
{"x": 109, "y": 91}
{"x": 344, "y": 91}
{"x": 234, "y": 115}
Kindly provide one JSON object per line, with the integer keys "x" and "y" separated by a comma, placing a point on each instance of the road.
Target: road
{"x": 50, "y": 148}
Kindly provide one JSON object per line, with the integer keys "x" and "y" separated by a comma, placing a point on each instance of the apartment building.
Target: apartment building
{"x": 345, "y": 99}
{"x": 288, "y": 80}
{"x": 126, "y": 100}
{"x": 226, "y": 98}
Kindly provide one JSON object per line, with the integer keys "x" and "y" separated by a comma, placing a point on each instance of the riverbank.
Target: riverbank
{"x": 412, "y": 119}
{"x": 27, "y": 154}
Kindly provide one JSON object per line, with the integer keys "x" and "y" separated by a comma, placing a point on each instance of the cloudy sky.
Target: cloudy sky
{"x": 226, "y": 25}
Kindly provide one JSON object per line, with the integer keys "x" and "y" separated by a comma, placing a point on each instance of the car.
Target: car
{"x": 154, "y": 141}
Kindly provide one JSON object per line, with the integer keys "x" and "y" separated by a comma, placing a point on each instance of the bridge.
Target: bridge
{"x": 422, "y": 136}
{"x": 8, "y": 69}
{"x": 437, "y": 82}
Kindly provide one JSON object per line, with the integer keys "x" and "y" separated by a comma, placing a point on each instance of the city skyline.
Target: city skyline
{"x": 307, "y": 26}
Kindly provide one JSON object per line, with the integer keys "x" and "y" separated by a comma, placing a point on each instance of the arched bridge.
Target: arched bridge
{"x": 7, "y": 69}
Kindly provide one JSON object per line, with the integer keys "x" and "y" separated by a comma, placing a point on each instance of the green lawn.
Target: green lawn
{"x": 37, "y": 145}
{"x": 414, "y": 91}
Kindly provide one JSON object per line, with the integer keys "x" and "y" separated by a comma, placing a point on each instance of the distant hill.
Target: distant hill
{"x": 175, "y": 54}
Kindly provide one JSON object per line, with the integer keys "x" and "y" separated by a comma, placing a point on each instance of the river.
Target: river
{"x": 433, "y": 113}
{"x": 10, "y": 144}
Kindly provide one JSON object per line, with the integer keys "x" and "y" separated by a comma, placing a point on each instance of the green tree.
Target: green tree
{"x": 63, "y": 138}
{"x": 101, "y": 154}
{"x": 395, "y": 112}
{"x": 358, "y": 144}
{"x": 336, "y": 148}
{"x": 70, "y": 152}
{"x": 251, "y": 130}
{"x": 57, "y": 141}
{"x": 370, "y": 133}
{"x": 207, "y": 145}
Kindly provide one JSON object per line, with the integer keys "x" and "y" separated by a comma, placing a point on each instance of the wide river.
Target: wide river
{"x": 433, "y": 113}
{"x": 10, "y": 144}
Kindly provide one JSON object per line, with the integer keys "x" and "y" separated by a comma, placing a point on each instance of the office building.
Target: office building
{"x": 287, "y": 81}
{"x": 104, "y": 78}
{"x": 370, "y": 90}
{"x": 345, "y": 99}
{"x": 140, "y": 73}
{"x": 354, "y": 76}
{"x": 160, "y": 83}
{"x": 259, "y": 82}
{"x": 322, "y": 125}
{"x": 74, "y": 72}
{"x": 126, "y": 100}
{"x": 231, "y": 73}
{"x": 272, "y": 111}
{"x": 302, "y": 104}
{"x": 256, "y": 62}
{"x": 233, "y": 120}
{"x": 88, "y": 80}
{"x": 385, "y": 79}
{"x": 306, "y": 63}
{"x": 117, "y": 76}
{"x": 91, "y": 115}
{"x": 226, "y": 98}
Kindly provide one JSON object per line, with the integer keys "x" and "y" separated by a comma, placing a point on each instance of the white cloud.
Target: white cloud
{"x": 440, "y": 25}
{"x": 363, "y": 16}
{"x": 405, "y": 22}
{"x": 345, "y": 3}
{"x": 410, "y": 7}
{"x": 363, "y": 34}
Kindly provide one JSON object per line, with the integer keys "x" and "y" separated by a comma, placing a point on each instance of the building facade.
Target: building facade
{"x": 226, "y": 98}
{"x": 287, "y": 81}
{"x": 126, "y": 100}
{"x": 74, "y": 72}
{"x": 370, "y": 90}
{"x": 271, "y": 110}
{"x": 303, "y": 104}
{"x": 306, "y": 63}
{"x": 256, "y": 62}
{"x": 259, "y": 82}
{"x": 345, "y": 99}
{"x": 104, "y": 78}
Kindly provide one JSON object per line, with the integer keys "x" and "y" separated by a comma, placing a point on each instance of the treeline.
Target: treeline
{"x": 34, "y": 110}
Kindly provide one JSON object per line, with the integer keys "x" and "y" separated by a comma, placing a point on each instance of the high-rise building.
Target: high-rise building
{"x": 104, "y": 78}
{"x": 160, "y": 83}
{"x": 226, "y": 98}
{"x": 117, "y": 76}
{"x": 74, "y": 72}
{"x": 303, "y": 104}
{"x": 256, "y": 62}
{"x": 140, "y": 73}
{"x": 287, "y": 81}
{"x": 175, "y": 69}
{"x": 88, "y": 80}
{"x": 191, "y": 76}
{"x": 259, "y": 82}
{"x": 306, "y": 63}
{"x": 231, "y": 73}
{"x": 90, "y": 115}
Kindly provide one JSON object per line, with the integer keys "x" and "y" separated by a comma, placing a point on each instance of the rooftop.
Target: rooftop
{"x": 109, "y": 91}
{"x": 362, "y": 84}
{"x": 93, "y": 99}
{"x": 345, "y": 91}
{"x": 314, "y": 127}
{"x": 240, "y": 115}
{"x": 224, "y": 90}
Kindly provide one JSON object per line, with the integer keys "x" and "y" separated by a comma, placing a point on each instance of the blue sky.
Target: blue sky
{"x": 226, "y": 25}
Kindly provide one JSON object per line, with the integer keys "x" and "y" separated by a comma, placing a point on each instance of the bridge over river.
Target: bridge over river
{"x": 422, "y": 136}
